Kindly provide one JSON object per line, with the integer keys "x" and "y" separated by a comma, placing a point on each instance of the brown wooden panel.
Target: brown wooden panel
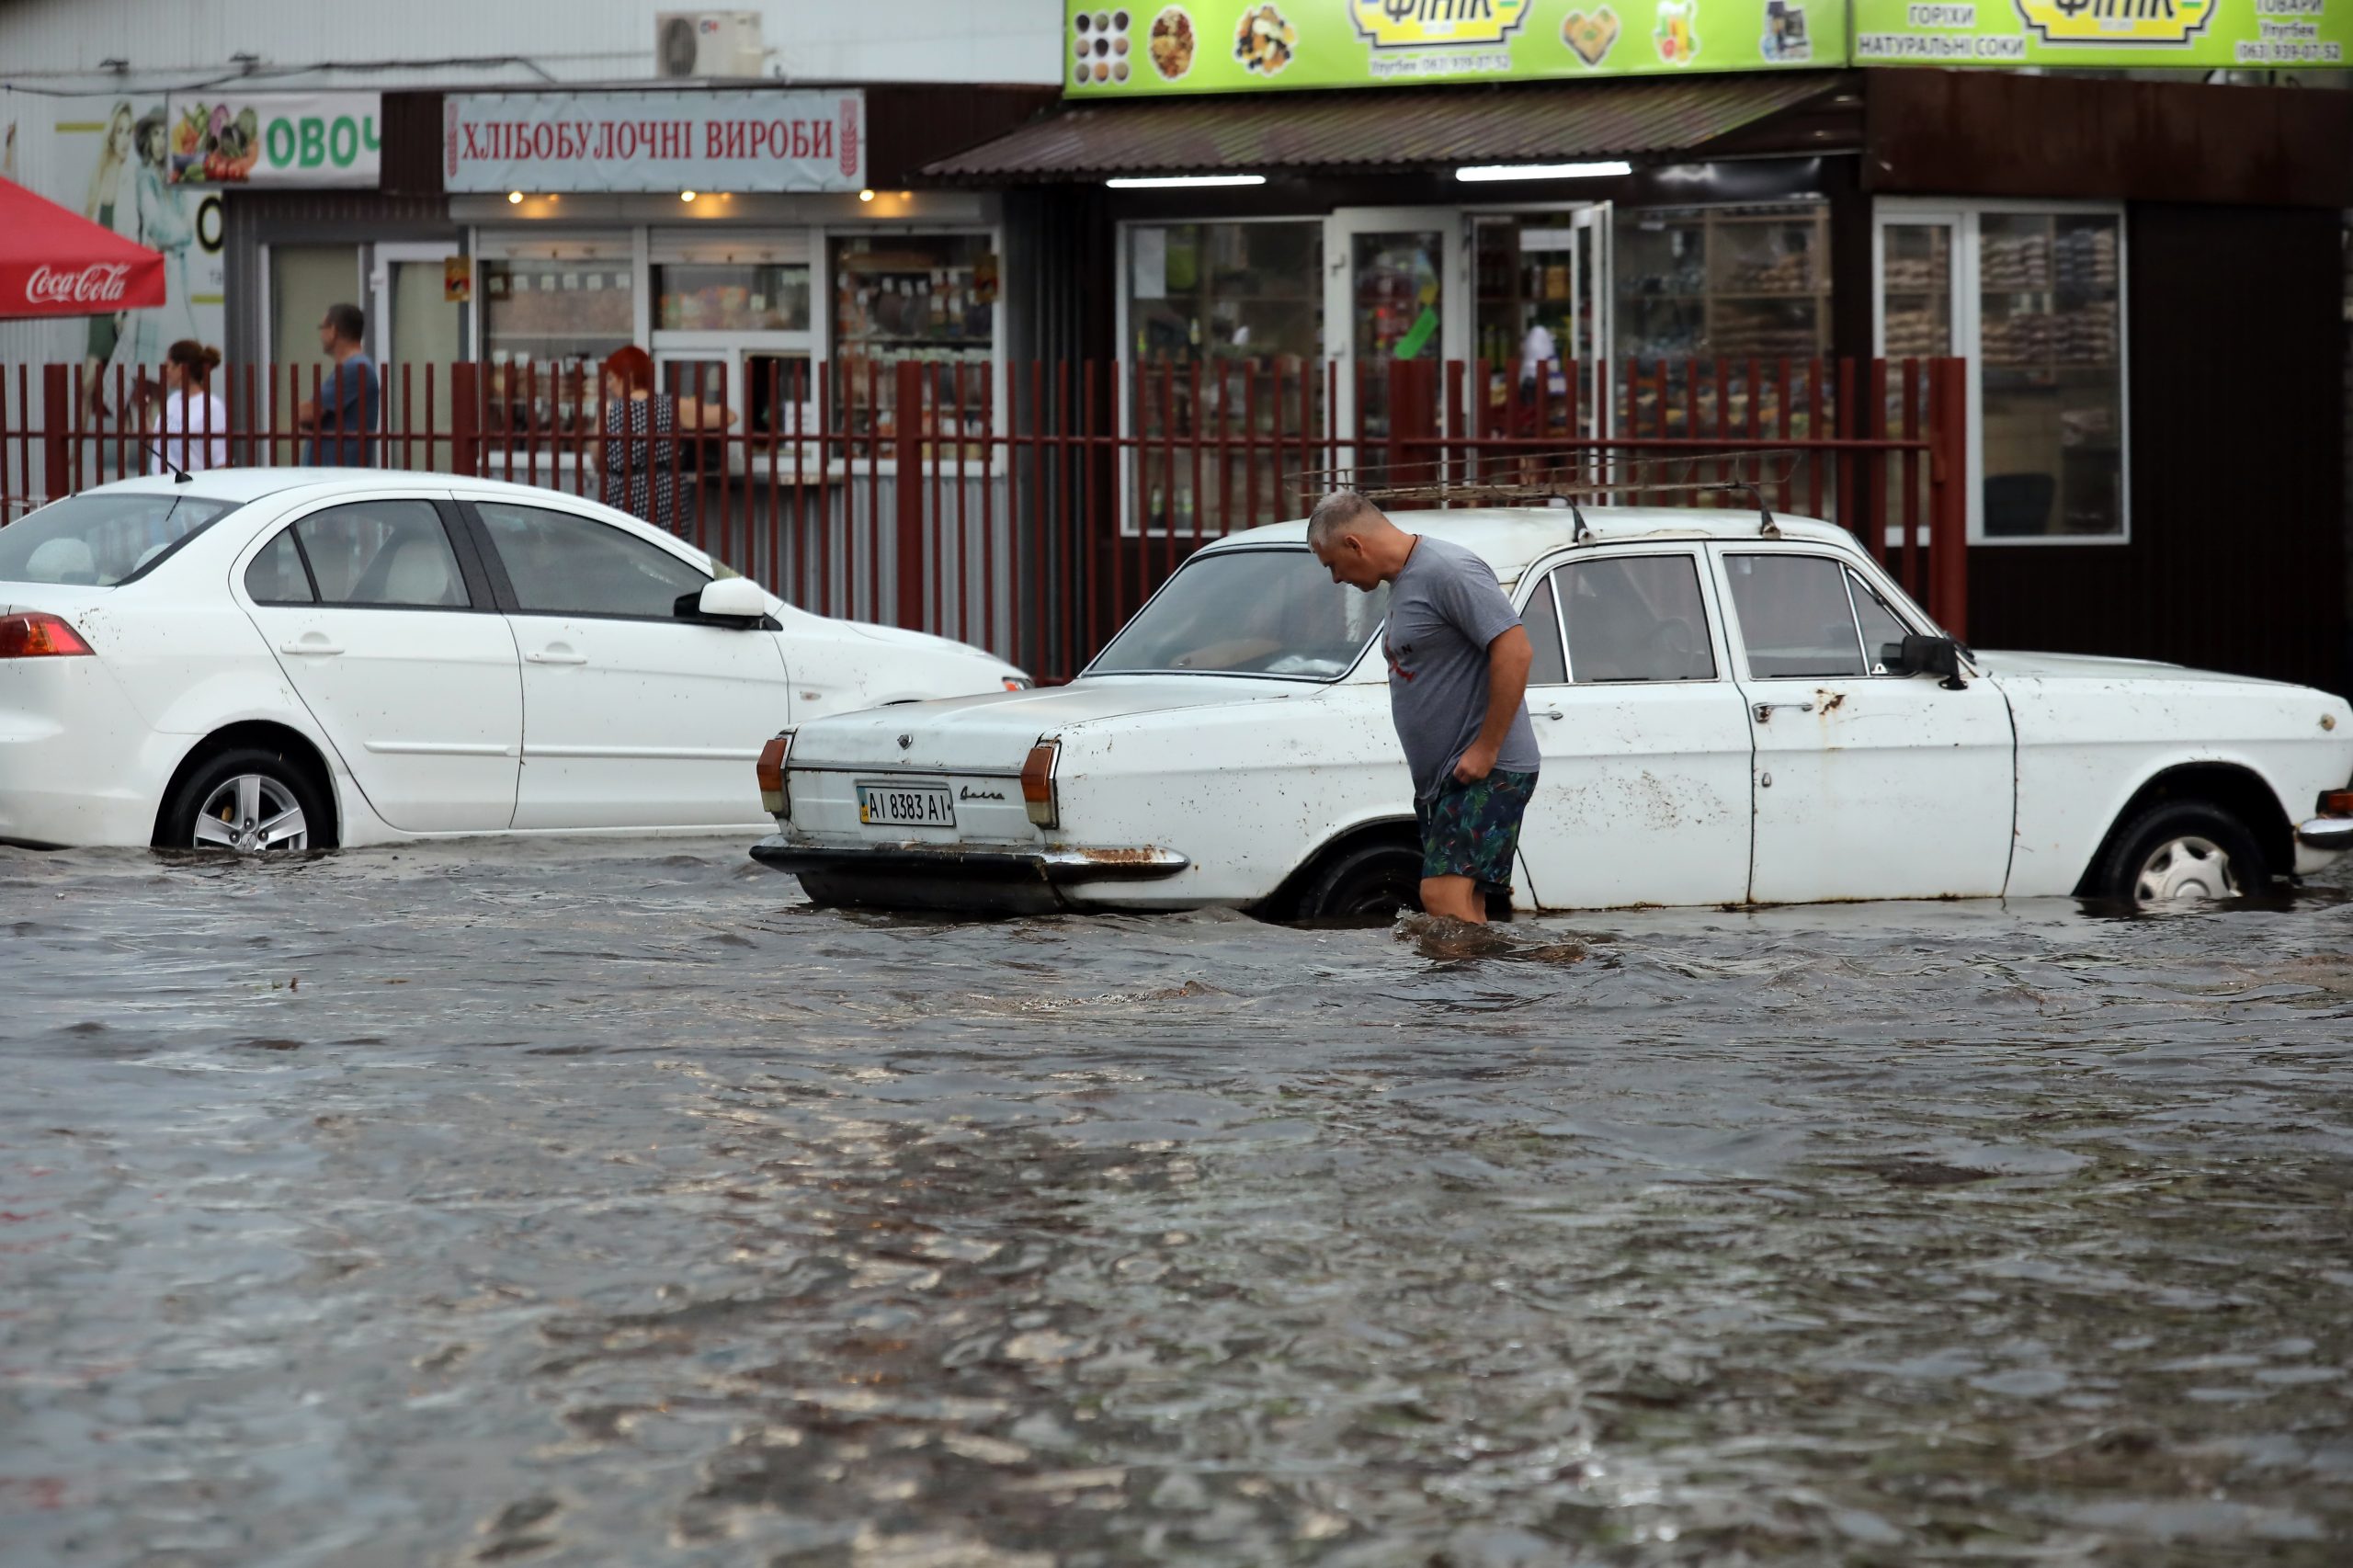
{"x": 910, "y": 125}
{"x": 2237, "y": 558}
{"x": 1996, "y": 134}
{"x": 411, "y": 151}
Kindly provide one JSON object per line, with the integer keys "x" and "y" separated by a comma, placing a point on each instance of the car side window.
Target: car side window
{"x": 1634, "y": 618}
{"x": 389, "y": 554}
{"x": 563, "y": 564}
{"x": 1881, "y": 626}
{"x": 1795, "y": 618}
{"x": 1542, "y": 619}
{"x": 277, "y": 577}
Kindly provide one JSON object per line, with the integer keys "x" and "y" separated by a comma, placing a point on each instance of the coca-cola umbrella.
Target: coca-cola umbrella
{"x": 54, "y": 262}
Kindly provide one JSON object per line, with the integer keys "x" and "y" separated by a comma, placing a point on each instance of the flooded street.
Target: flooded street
{"x": 605, "y": 1203}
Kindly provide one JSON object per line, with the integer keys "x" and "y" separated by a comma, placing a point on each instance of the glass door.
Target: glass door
{"x": 419, "y": 334}
{"x": 1385, "y": 299}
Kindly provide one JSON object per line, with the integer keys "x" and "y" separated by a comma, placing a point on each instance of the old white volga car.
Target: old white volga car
{"x": 1730, "y": 711}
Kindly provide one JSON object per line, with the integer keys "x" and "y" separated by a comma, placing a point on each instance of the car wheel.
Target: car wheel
{"x": 1373, "y": 880}
{"x": 248, "y": 801}
{"x": 2183, "y": 852}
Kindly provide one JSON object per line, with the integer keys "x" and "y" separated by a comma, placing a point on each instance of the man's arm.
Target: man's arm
{"x": 1509, "y": 658}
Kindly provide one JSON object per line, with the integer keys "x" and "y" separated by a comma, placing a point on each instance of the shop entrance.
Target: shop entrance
{"x": 1385, "y": 298}
{"x": 416, "y": 326}
{"x": 1541, "y": 312}
{"x": 1527, "y": 291}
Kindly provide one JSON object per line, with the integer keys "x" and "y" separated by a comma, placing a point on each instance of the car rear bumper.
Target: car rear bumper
{"x": 991, "y": 880}
{"x": 2329, "y": 835}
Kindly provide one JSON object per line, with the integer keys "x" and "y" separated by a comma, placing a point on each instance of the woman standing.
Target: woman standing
{"x": 193, "y": 425}
{"x": 108, "y": 206}
{"x": 642, "y": 459}
{"x": 162, "y": 226}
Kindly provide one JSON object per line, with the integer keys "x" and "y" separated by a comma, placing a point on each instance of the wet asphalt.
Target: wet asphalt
{"x": 606, "y": 1204}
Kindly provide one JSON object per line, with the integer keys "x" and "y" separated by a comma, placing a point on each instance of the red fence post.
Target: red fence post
{"x": 56, "y": 406}
{"x": 1413, "y": 415}
{"x": 908, "y": 453}
{"x": 465, "y": 417}
{"x": 1948, "y": 496}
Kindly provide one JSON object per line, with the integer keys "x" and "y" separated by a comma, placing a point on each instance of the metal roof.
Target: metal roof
{"x": 1381, "y": 131}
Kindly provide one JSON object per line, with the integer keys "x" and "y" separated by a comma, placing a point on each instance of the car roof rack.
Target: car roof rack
{"x": 1484, "y": 479}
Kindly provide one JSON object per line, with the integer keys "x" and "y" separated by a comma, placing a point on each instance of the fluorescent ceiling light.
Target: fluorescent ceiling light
{"x": 1170, "y": 182}
{"x": 1542, "y": 170}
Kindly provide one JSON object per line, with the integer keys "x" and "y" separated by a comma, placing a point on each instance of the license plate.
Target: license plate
{"x": 907, "y": 805}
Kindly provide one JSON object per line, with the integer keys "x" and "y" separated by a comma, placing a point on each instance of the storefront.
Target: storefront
{"x": 740, "y": 236}
{"x": 1725, "y": 188}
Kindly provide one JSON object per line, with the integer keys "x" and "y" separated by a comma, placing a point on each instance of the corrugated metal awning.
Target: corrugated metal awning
{"x": 1385, "y": 131}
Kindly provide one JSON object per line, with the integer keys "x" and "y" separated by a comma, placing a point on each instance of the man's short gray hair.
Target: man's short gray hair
{"x": 1333, "y": 514}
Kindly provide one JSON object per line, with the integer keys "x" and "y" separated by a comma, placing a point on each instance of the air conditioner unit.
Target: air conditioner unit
{"x": 707, "y": 43}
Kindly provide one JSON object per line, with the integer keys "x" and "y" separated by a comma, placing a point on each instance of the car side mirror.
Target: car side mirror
{"x": 734, "y": 600}
{"x": 1919, "y": 655}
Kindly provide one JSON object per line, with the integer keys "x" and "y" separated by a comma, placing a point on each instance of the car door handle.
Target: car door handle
{"x": 1549, "y": 713}
{"x": 557, "y": 655}
{"x": 1764, "y": 711}
{"x": 320, "y": 646}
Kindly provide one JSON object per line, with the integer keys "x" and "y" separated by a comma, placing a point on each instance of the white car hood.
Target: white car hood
{"x": 993, "y": 732}
{"x": 2094, "y": 667}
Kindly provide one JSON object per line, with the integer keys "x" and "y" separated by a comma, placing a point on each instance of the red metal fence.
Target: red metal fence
{"x": 1031, "y": 507}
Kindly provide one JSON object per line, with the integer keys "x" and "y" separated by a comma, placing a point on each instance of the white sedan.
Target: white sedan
{"x": 1730, "y": 711}
{"x": 281, "y": 659}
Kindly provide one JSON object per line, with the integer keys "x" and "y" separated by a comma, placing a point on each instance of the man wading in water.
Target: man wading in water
{"x": 1458, "y": 675}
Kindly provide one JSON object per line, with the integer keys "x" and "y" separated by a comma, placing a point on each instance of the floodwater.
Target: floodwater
{"x": 605, "y": 1203}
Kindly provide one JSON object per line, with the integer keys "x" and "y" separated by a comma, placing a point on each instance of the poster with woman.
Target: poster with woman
{"x": 109, "y": 159}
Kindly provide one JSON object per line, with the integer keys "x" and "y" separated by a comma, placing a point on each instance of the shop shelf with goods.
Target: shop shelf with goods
{"x": 2049, "y": 315}
{"x": 929, "y": 298}
{"x": 1731, "y": 281}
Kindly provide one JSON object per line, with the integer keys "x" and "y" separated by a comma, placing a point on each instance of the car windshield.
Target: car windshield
{"x": 1265, "y": 612}
{"x": 100, "y": 540}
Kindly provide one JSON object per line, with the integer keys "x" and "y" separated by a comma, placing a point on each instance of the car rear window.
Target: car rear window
{"x": 102, "y": 540}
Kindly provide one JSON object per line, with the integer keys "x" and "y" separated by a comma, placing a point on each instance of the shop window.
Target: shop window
{"x": 2053, "y": 415}
{"x": 550, "y": 312}
{"x": 731, "y": 297}
{"x": 1235, "y": 309}
{"x": 930, "y": 298}
{"x": 1709, "y": 282}
{"x": 2033, "y": 298}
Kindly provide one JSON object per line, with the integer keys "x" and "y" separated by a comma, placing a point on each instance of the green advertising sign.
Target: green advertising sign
{"x": 2205, "y": 34}
{"x": 1230, "y": 46}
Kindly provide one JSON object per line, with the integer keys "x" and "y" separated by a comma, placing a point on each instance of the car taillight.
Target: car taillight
{"x": 38, "y": 636}
{"x": 770, "y": 770}
{"x": 2336, "y": 803}
{"x": 1038, "y": 783}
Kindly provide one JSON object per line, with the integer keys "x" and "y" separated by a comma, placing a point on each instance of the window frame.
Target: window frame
{"x": 503, "y": 583}
{"x": 1964, "y": 215}
{"x": 471, "y": 576}
{"x": 1846, "y": 569}
{"x": 1716, "y": 629}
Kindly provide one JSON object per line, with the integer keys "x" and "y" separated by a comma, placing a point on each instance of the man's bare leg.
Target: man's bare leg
{"x": 1457, "y": 898}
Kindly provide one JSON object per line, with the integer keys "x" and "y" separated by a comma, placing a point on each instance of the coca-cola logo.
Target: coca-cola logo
{"x": 100, "y": 283}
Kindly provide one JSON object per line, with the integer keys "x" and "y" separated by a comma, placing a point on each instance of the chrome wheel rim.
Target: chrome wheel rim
{"x": 250, "y": 814}
{"x": 2188, "y": 869}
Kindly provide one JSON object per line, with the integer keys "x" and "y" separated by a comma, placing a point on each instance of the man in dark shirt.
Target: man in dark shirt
{"x": 1458, "y": 680}
{"x": 342, "y": 419}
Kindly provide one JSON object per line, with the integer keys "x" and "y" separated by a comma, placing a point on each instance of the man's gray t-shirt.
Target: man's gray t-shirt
{"x": 1445, "y": 607}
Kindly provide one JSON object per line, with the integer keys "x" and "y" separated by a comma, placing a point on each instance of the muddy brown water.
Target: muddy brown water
{"x": 605, "y": 1203}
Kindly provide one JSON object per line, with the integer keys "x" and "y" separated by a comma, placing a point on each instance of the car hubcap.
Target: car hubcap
{"x": 2186, "y": 869}
{"x": 250, "y": 814}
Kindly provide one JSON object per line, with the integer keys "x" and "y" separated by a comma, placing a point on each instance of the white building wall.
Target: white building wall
{"x": 422, "y": 43}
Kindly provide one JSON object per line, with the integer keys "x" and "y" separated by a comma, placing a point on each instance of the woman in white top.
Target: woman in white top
{"x": 193, "y": 425}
